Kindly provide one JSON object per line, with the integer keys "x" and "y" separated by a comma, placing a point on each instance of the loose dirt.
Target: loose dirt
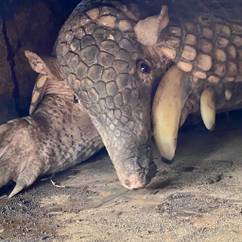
{"x": 196, "y": 198}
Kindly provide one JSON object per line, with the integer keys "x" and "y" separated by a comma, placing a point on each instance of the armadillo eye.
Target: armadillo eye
{"x": 143, "y": 67}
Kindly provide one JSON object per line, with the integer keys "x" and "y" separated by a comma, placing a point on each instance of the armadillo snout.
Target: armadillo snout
{"x": 134, "y": 182}
{"x": 139, "y": 180}
{"x": 136, "y": 170}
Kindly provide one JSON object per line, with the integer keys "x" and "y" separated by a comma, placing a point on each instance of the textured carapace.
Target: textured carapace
{"x": 109, "y": 71}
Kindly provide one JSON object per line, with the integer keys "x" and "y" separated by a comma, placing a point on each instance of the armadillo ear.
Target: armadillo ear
{"x": 163, "y": 18}
{"x": 37, "y": 63}
{"x": 38, "y": 92}
{"x": 147, "y": 31}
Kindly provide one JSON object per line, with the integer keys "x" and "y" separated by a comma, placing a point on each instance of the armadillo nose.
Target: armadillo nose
{"x": 133, "y": 182}
{"x": 139, "y": 180}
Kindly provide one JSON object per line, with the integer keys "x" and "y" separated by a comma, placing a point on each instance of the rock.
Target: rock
{"x": 6, "y": 86}
{"x": 32, "y": 25}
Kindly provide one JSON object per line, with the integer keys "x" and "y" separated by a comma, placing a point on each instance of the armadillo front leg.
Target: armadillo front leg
{"x": 56, "y": 136}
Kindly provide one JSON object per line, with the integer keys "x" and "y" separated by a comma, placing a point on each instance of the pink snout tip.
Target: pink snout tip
{"x": 133, "y": 182}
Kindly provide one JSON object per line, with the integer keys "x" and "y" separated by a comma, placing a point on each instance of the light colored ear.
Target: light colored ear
{"x": 38, "y": 92}
{"x": 37, "y": 63}
{"x": 40, "y": 66}
{"x": 148, "y": 30}
{"x": 163, "y": 18}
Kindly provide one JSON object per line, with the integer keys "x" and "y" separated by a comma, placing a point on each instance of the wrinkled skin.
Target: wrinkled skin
{"x": 56, "y": 135}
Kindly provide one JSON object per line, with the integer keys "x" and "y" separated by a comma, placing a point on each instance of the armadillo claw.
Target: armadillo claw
{"x": 23, "y": 181}
{"x": 18, "y": 160}
{"x": 20, "y": 171}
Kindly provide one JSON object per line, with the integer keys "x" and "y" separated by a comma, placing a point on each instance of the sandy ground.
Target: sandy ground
{"x": 197, "y": 198}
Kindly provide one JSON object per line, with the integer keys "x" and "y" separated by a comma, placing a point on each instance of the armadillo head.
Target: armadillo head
{"x": 109, "y": 70}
